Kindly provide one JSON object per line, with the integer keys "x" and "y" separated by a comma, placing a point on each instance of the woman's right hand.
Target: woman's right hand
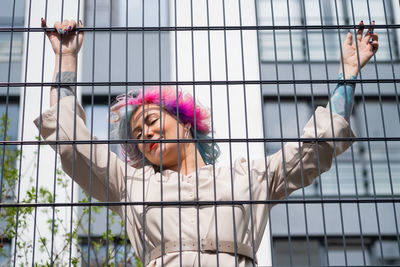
{"x": 66, "y": 36}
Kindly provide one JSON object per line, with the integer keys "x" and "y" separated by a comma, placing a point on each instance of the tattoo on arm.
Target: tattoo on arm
{"x": 342, "y": 98}
{"x": 66, "y": 77}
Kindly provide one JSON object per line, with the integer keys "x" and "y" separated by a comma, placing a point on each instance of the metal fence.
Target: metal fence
{"x": 261, "y": 68}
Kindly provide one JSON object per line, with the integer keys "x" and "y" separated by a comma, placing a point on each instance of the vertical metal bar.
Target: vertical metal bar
{"x": 281, "y": 132}
{"x": 126, "y": 145}
{"x": 247, "y": 135}
{"x": 57, "y": 138}
{"x": 177, "y": 135}
{"x": 264, "y": 132}
{"x": 195, "y": 137}
{"x": 212, "y": 134}
{"x": 229, "y": 136}
{"x": 398, "y": 111}
{"x": 74, "y": 138}
{"x": 143, "y": 157}
{"x": 91, "y": 131}
{"x": 368, "y": 141}
{"x": 161, "y": 134}
{"x": 298, "y": 134}
{"x": 22, "y": 135}
{"x": 108, "y": 134}
{"x": 384, "y": 133}
{"x": 39, "y": 145}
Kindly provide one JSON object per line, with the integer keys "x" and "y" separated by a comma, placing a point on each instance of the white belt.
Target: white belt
{"x": 206, "y": 245}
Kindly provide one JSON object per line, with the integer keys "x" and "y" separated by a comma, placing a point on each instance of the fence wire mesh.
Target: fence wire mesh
{"x": 171, "y": 133}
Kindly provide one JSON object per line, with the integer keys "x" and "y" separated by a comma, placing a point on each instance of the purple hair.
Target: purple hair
{"x": 170, "y": 101}
{"x": 174, "y": 101}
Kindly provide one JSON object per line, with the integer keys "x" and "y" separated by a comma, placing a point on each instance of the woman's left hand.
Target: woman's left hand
{"x": 366, "y": 46}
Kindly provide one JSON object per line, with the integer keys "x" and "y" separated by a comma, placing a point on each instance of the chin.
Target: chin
{"x": 169, "y": 155}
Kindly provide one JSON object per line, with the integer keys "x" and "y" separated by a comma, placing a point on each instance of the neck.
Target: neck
{"x": 190, "y": 160}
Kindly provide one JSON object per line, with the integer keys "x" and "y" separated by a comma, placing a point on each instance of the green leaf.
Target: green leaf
{"x": 75, "y": 261}
{"x": 43, "y": 240}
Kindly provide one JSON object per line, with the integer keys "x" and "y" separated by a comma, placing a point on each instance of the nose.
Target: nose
{"x": 149, "y": 133}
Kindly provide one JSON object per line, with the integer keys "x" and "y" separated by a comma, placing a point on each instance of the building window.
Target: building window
{"x": 317, "y": 251}
{"x": 301, "y": 45}
{"x": 10, "y": 66}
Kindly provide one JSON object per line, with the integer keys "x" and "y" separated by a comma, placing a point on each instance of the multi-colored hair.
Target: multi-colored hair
{"x": 179, "y": 104}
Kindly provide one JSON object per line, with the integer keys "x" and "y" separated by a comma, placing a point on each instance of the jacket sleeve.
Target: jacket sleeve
{"x": 83, "y": 162}
{"x": 298, "y": 164}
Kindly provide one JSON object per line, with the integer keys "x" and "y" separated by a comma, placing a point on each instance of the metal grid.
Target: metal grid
{"x": 16, "y": 204}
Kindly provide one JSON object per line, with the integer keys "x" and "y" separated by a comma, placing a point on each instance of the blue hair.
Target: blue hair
{"x": 209, "y": 151}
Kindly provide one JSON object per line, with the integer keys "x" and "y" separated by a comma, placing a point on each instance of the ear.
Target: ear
{"x": 188, "y": 126}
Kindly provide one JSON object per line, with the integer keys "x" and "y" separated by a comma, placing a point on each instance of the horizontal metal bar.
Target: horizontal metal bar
{"x": 270, "y": 98}
{"x": 322, "y": 62}
{"x": 350, "y": 238}
{"x": 314, "y": 265}
{"x": 211, "y": 140}
{"x": 159, "y": 83}
{"x": 203, "y": 28}
{"x": 208, "y": 203}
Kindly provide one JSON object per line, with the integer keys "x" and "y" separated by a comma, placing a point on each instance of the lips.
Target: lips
{"x": 152, "y": 146}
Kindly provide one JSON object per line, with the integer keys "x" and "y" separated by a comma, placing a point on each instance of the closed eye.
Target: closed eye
{"x": 153, "y": 121}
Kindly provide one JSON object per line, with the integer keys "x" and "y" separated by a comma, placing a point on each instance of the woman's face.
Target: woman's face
{"x": 149, "y": 123}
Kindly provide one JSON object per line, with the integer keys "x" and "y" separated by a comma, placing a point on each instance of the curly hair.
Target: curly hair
{"x": 179, "y": 104}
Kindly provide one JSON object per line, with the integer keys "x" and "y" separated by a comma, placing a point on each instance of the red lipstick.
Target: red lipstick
{"x": 153, "y": 146}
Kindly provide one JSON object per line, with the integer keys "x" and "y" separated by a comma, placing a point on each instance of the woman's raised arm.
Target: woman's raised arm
{"x": 297, "y": 164}
{"x": 355, "y": 54}
{"x": 97, "y": 170}
{"x": 66, "y": 43}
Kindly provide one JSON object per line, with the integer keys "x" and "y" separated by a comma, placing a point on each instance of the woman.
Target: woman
{"x": 190, "y": 235}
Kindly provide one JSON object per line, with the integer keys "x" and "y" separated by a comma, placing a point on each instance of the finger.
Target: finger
{"x": 371, "y": 29}
{"x": 373, "y": 37}
{"x": 349, "y": 38}
{"x": 360, "y": 31}
{"x": 375, "y": 46}
{"x": 58, "y": 27}
{"x": 80, "y": 25}
{"x": 43, "y": 23}
{"x": 71, "y": 25}
{"x": 65, "y": 25}
{"x": 368, "y": 36}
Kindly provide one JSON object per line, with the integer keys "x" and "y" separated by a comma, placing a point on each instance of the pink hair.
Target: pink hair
{"x": 174, "y": 101}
